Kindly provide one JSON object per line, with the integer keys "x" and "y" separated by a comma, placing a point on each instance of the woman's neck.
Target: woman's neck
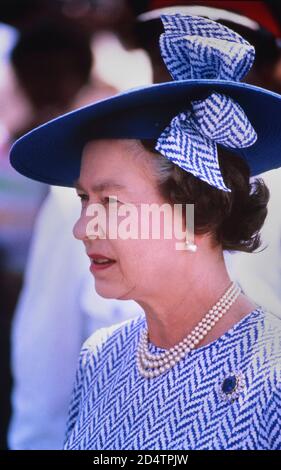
{"x": 175, "y": 313}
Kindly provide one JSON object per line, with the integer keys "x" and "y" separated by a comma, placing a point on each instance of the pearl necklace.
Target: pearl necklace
{"x": 152, "y": 365}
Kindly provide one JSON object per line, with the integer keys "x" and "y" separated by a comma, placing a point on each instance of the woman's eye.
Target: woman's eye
{"x": 105, "y": 200}
{"x": 83, "y": 197}
{"x": 110, "y": 200}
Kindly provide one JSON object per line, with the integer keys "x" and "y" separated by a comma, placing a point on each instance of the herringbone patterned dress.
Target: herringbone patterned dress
{"x": 114, "y": 407}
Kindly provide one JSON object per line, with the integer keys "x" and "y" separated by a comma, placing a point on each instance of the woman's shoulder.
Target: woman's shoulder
{"x": 266, "y": 350}
{"x": 261, "y": 327}
{"x": 264, "y": 330}
{"x": 272, "y": 320}
{"x": 105, "y": 337}
{"x": 271, "y": 331}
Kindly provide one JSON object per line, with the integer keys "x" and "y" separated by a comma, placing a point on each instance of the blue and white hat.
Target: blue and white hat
{"x": 203, "y": 108}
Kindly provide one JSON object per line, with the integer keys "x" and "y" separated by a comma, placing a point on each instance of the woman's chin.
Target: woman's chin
{"x": 107, "y": 290}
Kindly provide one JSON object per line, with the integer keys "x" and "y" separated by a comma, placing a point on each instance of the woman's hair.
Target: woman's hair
{"x": 233, "y": 218}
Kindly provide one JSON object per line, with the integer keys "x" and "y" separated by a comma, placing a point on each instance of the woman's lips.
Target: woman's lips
{"x": 100, "y": 262}
{"x": 98, "y": 267}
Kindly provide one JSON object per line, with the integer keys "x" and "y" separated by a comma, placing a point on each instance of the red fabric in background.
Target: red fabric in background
{"x": 255, "y": 10}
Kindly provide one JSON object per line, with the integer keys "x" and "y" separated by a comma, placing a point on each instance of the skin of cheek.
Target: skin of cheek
{"x": 136, "y": 274}
{"x": 120, "y": 280}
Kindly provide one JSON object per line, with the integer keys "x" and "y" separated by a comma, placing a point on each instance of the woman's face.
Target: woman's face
{"x": 142, "y": 267}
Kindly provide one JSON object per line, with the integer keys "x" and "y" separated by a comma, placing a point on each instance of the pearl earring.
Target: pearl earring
{"x": 189, "y": 246}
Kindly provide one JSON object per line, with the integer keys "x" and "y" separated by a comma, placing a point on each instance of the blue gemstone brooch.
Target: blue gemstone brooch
{"x": 231, "y": 386}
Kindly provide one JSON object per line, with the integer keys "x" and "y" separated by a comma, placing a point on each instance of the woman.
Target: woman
{"x": 199, "y": 368}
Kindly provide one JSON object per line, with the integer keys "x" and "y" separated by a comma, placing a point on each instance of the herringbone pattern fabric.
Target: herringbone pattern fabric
{"x": 114, "y": 407}
{"x": 198, "y": 48}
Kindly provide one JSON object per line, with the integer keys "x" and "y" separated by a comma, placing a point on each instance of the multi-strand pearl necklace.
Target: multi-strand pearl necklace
{"x": 152, "y": 365}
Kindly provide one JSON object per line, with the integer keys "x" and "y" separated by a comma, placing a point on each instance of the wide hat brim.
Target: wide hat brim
{"x": 52, "y": 152}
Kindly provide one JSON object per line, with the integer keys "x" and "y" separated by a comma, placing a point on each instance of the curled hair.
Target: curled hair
{"x": 234, "y": 219}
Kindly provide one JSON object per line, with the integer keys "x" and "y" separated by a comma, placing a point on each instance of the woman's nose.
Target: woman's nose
{"x": 88, "y": 228}
{"x": 80, "y": 228}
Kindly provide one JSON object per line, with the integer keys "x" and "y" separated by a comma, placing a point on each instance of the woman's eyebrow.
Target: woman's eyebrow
{"x": 99, "y": 187}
